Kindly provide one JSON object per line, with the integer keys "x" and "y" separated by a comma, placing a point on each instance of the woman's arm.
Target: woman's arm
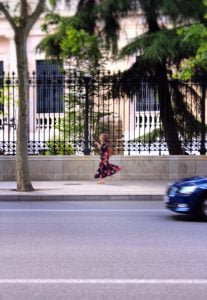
{"x": 98, "y": 145}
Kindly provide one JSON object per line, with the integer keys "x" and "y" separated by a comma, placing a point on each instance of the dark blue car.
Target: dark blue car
{"x": 188, "y": 196}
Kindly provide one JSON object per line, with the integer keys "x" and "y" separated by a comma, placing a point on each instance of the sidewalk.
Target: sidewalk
{"x": 86, "y": 190}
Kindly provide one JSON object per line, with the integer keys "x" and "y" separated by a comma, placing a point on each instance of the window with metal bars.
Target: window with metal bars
{"x": 135, "y": 4}
{"x": 1, "y": 85}
{"x": 49, "y": 86}
{"x": 1, "y": 73}
{"x": 146, "y": 99}
{"x": 1, "y": 67}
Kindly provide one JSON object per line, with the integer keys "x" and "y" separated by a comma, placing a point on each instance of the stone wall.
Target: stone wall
{"x": 83, "y": 168}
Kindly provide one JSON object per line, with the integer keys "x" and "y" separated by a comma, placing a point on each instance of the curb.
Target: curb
{"x": 7, "y": 198}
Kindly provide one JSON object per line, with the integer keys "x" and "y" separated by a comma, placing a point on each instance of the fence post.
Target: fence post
{"x": 203, "y": 118}
{"x": 86, "y": 149}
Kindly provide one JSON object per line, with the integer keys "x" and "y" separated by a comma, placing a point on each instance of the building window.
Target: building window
{"x": 146, "y": 99}
{"x": 49, "y": 87}
{"x": 1, "y": 67}
{"x": 1, "y": 73}
{"x": 135, "y": 5}
{"x": 1, "y": 86}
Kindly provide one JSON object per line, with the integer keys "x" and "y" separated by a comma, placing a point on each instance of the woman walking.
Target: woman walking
{"x": 105, "y": 168}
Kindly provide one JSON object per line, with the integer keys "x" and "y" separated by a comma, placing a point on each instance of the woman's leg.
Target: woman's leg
{"x": 101, "y": 181}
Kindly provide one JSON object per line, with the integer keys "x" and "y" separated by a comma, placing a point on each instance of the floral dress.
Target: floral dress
{"x": 105, "y": 168}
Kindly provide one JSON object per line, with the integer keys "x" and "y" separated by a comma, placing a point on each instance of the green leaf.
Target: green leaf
{"x": 53, "y": 2}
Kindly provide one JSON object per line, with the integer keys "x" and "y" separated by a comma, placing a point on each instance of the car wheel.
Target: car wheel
{"x": 201, "y": 211}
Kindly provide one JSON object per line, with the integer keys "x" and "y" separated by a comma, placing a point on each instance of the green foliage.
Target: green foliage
{"x": 111, "y": 7}
{"x": 158, "y": 47}
{"x": 153, "y": 136}
{"x": 109, "y": 11}
{"x": 86, "y": 12}
{"x": 55, "y": 20}
{"x": 6, "y": 93}
{"x": 182, "y": 10}
{"x": 71, "y": 126}
{"x": 51, "y": 46}
{"x": 81, "y": 45}
{"x": 50, "y": 20}
{"x": 19, "y": 20}
{"x": 160, "y": 44}
{"x": 197, "y": 35}
{"x": 70, "y": 42}
{"x": 89, "y": 16}
{"x": 59, "y": 148}
{"x": 53, "y": 2}
{"x": 160, "y": 52}
{"x": 67, "y": 43}
{"x": 187, "y": 121}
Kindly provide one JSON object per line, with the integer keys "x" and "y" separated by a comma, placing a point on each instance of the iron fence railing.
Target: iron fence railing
{"x": 68, "y": 111}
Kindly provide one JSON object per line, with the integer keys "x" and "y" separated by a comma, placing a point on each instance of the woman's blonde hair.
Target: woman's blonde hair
{"x": 104, "y": 137}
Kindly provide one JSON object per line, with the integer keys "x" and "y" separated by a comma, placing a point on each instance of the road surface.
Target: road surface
{"x": 100, "y": 250}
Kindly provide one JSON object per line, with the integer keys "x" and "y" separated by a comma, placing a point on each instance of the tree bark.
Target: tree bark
{"x": 22, "y": 162}
{"x": 167, "y": 113}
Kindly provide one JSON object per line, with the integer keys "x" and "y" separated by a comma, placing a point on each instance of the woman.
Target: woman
{"x": 105, "y": 168}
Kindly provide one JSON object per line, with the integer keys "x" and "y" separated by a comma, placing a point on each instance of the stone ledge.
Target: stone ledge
{"x": 83, "y": 167}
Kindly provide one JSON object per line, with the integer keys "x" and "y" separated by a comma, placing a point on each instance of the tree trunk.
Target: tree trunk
{"x": 22, "y": 163}
{"x": 21, "y": 26}
{"x": 167, "y": 113}
{"x": 166, "y": 109}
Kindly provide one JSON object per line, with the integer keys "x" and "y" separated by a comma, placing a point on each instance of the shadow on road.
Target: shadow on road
{"x": 184, "y": 218}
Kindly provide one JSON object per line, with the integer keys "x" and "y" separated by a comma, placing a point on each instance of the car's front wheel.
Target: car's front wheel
{"x": 201, "y": 211}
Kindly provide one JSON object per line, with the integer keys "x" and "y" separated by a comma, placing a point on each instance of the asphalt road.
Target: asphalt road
{"x": 100, "y": 250}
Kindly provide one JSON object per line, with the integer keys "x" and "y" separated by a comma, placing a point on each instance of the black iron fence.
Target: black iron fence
{"x": 68, "y": 111}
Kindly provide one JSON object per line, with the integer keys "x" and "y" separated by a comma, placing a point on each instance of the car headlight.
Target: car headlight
{"x": 187, "y": 189}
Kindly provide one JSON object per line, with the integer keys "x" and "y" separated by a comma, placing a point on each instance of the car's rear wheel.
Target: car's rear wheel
{"x": 201, "y": 211}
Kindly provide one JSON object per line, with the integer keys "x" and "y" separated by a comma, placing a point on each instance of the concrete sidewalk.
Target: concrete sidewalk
{"x": 86, "y": 190}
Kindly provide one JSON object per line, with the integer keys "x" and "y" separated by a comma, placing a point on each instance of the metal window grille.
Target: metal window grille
{"x": 49, "y": 87}
{"x": 146, "y": 98}
{"x": 135, "y": 4}
{"x": 1, "y": 85}
{"x": 1, "y": 68}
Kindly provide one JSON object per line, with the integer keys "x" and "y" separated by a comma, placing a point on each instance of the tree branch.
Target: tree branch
{"x": 31, "y": 19}
{"x": 24, "y": 8}
{"x": 8, "y": 16}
